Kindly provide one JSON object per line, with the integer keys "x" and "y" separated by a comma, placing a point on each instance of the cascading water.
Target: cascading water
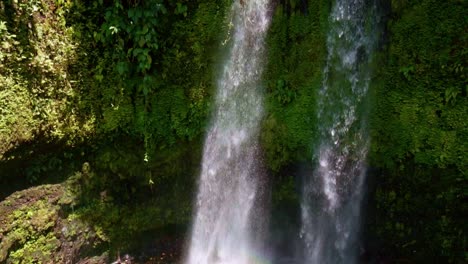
{"x": 225, "y": 228}
{"x": 332, "y": 195}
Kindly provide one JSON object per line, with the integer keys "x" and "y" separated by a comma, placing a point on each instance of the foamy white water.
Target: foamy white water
{"x": 332, "y": 195}
{"x": 226, "y": 228}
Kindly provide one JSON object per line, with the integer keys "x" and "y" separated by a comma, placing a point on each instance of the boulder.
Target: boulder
{"x": 37, "y": 225}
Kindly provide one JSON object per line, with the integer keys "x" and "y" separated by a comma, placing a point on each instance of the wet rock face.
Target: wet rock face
{"x": 36, "y": 228}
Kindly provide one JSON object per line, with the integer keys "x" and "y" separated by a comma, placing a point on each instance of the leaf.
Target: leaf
{"x": 181, "y": 9}
{"x": 141, "y": 42}
{"x": 131, "y": 13}
{"x": 98, "y": 77}
{"x": 148, "y": 59}
{"x": 136, "y": 52}
{"x": 121, "y": 67}
{"x": 145, "y": 30}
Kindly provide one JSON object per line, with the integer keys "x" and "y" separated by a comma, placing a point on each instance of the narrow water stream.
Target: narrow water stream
{"x": 331, "y": 201}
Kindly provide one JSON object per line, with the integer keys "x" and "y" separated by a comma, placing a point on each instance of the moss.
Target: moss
{"x": 28, "y": 221}
{"x": 36, "y": 250}
{"x": 38, "y": 47}
{"x": 419, "y": 132}
{"x": 36, "y": 229}
{"x": 296, "y": 56}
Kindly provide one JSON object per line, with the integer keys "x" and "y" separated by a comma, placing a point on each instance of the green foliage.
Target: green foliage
{"x": 140, "y": 71}
{"x": 133, "y": 31}
{"x": 422, "y": 100}
{"x": 35, "y": 87}
{"x": 152, "y": 73}
{"x": 296, "y": 52}
{"x": 419, "y": 131}
{"x": 16, "y": 121}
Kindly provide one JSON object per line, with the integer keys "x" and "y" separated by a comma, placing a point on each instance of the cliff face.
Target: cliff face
{"x": 119, "y": 92}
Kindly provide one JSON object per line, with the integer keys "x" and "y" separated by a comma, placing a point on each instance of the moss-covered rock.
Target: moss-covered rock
{"x": 36, "y": 228}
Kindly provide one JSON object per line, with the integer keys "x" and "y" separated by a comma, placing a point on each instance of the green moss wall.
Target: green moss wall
{"x": 420, "y": 133}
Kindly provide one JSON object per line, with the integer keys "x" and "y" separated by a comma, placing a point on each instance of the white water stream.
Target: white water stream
{"x": 332, "y": 196}
{"x": 227, "y": 227}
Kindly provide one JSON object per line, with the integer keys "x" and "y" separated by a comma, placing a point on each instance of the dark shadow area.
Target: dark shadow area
{"x": 285, "y": 243}
{"x": 39, "y": 161}
{"x": 371, "y": 251}
{"x": 163, "y": 244}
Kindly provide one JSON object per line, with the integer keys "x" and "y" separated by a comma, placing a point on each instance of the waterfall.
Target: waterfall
{"x": 227, "y": 224}
{"x": 331, "y": 198}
